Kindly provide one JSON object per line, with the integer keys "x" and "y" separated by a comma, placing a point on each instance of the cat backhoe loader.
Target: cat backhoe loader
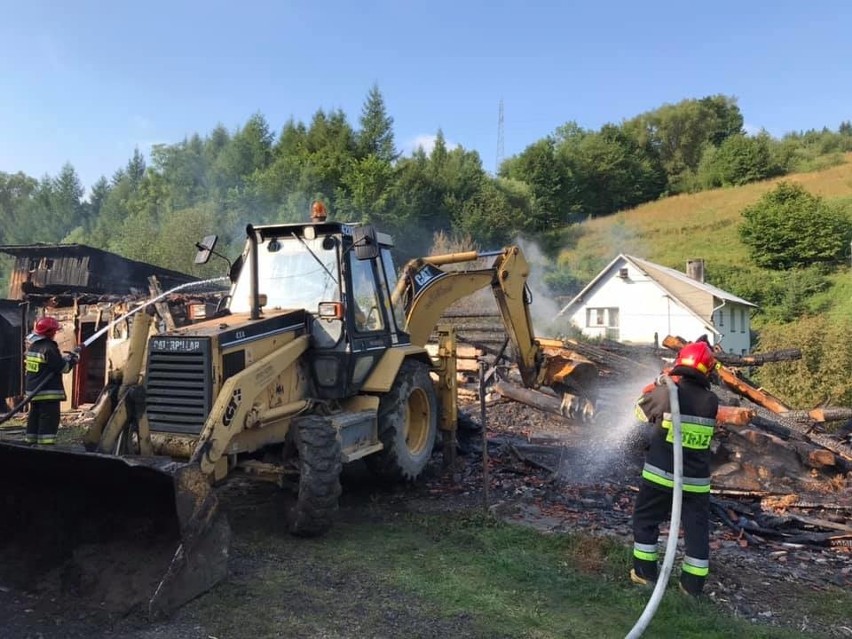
{"x": 315, "y": 359}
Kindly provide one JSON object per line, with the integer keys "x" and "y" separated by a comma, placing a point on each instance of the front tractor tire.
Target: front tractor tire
{"x": 320, "y": 464}
{"x": 408, "y": 424}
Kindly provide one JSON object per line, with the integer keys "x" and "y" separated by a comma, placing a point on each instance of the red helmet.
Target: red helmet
{"x": 698, "y": 356}
{"x": 47, "y": 326}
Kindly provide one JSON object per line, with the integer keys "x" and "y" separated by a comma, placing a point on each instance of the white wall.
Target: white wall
{"x": 735, "y": 330}
{"x": 643, "y": 309}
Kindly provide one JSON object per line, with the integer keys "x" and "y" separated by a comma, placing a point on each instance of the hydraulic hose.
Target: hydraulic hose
{"x": 674, "y": 526}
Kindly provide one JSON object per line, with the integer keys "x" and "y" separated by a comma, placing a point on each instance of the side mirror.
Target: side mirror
{"x": 365, "y": 242}
{"x": 205, "y": 249}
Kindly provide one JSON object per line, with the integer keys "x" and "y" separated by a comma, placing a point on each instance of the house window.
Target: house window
{"x": 721, "y": 323}
{"x": 733, "y": 320}
{"x": 602, "y": 317}
{"x": 742, "y": 320}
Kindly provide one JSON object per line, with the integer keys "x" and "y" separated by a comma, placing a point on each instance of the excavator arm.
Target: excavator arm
{"x": 427, "y": 290}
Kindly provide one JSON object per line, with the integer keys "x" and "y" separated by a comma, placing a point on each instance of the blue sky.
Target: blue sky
{"x": 86, "y": 82}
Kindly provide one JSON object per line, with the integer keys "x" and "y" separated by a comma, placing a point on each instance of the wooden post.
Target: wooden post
{"x": 486, "y": 478}
{"x": 162, "y": 306}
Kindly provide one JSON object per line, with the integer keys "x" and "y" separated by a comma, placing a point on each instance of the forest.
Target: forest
{"x": 155, "y": 208}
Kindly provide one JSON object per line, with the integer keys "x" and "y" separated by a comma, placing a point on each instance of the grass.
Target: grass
{"x": 675, "y": 229}
{"x": 470, "y": 576}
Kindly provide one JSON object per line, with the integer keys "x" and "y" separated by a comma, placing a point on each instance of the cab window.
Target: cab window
{"x": 365, "y": 297}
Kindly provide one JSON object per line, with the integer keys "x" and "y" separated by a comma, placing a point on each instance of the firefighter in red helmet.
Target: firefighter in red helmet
{"x": 698, "y": 406}
{"x": 45, "y": 365}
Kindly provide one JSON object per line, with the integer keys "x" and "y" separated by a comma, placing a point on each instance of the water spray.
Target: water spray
{"x": 94, "y": 337}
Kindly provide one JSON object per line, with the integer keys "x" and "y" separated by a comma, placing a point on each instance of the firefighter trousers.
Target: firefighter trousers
{"x": 653, "y": 506}
{"x": 43, "y": 422}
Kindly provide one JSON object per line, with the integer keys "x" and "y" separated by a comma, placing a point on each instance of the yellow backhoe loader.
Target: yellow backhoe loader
{"x": 315, "y": 359}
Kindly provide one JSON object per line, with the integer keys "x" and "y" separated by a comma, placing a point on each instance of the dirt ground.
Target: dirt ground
{"x": 544, "y": 472}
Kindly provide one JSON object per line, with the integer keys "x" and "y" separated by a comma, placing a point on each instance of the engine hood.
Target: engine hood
{"x": 238, "y": 328}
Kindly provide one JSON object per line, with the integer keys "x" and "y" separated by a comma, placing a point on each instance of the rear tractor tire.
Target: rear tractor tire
{"x": 320, "y": 464}
{"x": 408, "y": 424}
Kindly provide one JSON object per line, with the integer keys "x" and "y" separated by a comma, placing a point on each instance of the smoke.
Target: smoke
{"x": 544, "y": 308}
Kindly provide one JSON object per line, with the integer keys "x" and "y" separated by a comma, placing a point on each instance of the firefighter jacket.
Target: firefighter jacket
{"x": 44, "y": 363}
{"x": 698, "y": 407}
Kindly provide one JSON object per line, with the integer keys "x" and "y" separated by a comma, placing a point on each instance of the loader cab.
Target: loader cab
{"x": 343, "y": 277}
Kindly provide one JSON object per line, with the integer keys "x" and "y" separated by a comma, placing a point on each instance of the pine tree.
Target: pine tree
{"x": 376, "y": 134}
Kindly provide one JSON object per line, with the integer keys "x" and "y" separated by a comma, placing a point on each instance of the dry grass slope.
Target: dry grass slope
{"x": 700, "y": 225}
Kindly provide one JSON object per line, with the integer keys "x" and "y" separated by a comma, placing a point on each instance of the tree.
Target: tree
{"x": 376, "y": 134}
{"x": 67, "y": 210}
{"x": 135, "y": 169}
{"x": 538, "y": 166}
{"x": 495, "y": 214}
{"x": 610, "y": 171}
{"x": 789, "y": 227}
{"x": 16, "y": 193}
{"x": 739, "y": 160}
{"x": 680, "y": 132}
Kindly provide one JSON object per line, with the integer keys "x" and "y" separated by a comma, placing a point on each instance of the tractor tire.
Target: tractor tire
{"x": 408, "y": 424}
{"x": 320, "y": 464}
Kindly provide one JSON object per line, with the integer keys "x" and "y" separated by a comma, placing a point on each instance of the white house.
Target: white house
{"x": 632, "y": 300}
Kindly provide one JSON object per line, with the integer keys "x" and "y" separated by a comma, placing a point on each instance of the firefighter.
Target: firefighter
{"x": 45, "y": 366}
{"x": 698, "y": 405}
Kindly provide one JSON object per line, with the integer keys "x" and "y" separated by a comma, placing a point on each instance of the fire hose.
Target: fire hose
{"x": 674, "y": 526}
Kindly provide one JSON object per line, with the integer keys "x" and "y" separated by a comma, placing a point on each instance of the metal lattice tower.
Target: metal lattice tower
{"x": 500, "y": 141}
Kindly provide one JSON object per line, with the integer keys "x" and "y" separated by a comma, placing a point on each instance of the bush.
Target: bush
{"x": 789, "y": 227}
{"x": 781, "y": 296}
{"x": 739, "y": 160}
{"x": 822, "y": 374}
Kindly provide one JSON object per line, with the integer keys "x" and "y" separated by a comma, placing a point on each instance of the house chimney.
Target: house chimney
{"x": 695, "y": 269}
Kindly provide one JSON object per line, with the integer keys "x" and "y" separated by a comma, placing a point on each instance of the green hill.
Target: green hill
{"x": 704, "y": 225}
{"x": 810, "y": 309}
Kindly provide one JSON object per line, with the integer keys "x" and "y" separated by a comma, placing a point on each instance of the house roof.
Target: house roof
{"x": 648, "y": 267}
{"x": 650, "y": 270}
{"x": 79, "y": 250}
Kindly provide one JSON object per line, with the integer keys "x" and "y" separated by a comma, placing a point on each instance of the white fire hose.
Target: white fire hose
{"x": 674, "y": 527}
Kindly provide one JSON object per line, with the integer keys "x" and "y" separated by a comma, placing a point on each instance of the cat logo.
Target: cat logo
{"x": 424, "y": 276}
{"x": 231, "y": 408}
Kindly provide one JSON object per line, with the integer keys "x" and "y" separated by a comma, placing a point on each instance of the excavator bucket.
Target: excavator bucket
{"x": 123, "y": 533}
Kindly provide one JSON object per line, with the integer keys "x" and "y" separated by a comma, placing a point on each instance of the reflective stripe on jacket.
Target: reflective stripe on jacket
{"x": 698, "y": 407}
{"x": 44, "y": 363}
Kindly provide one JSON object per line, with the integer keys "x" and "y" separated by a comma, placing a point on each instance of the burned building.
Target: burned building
{"x": 83, "y": 287}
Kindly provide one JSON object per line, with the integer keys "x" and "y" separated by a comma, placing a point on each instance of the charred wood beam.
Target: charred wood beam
{"x": 772, "y": 427}
{"x": 722, "y": 513}
{"x": 826, "y": 441}
{"x": 529, "y": 397}
{"x": 673, "y": 342}
{"x": 827, "y": 414}
{"x": 735, "y": 382}
{"x": 819, "y": 523}
{"x": 759, "y": 359}
{"x": 612, "y": 361}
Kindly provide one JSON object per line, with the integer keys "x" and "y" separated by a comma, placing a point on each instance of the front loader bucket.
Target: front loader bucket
{"x": 121, "y": 533}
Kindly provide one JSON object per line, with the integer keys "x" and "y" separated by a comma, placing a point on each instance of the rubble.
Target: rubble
{"x": 781, "y": 484}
